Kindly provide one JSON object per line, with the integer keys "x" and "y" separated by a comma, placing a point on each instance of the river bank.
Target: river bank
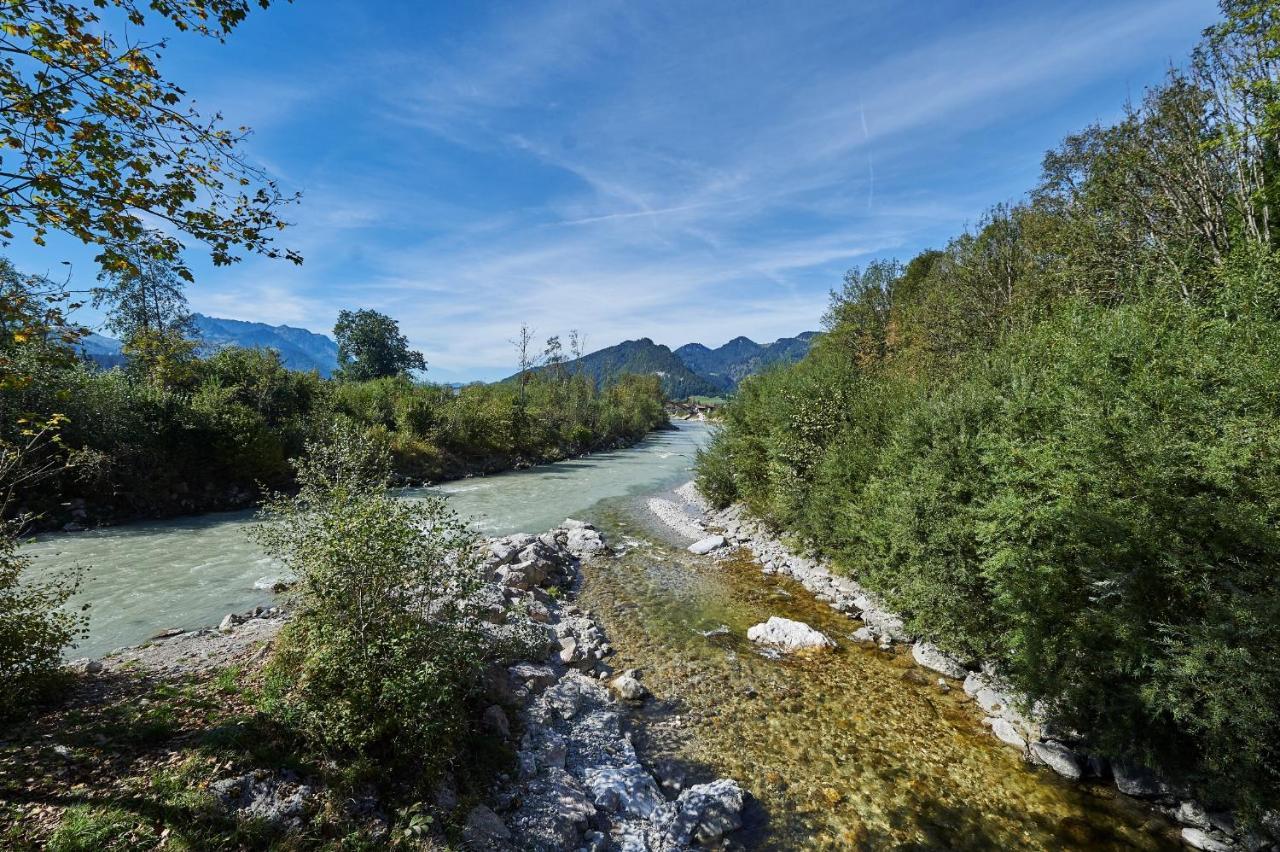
{"x": 187, "y": 573}
{"x": 74, "y": 514}
{"x": 552, "y": 766}
{"x": 722, "y": 536}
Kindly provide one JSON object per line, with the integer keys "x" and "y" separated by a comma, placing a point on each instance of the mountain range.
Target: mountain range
{"x": 693, "y": 369}
{"x": 299, "y": 348}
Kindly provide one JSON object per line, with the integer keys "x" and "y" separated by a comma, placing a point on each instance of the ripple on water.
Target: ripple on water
{"x": 854, "y": 749}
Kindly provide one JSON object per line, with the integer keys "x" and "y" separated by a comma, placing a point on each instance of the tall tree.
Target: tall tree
{"x": 144, "y": 298}
{"x": 370, "y": 346}
{"x": 97, "y": 143}
{"x": 527, "y": 358}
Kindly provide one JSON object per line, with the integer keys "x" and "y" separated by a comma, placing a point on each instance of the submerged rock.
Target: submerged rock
{"x": 788, "y": 636}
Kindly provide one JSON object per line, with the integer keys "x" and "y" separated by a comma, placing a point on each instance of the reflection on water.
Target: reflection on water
{"x": 857, "y": 749}
{"x": 190, "y": 572}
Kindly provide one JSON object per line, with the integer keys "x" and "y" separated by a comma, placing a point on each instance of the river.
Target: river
{"x": 142, "y": 578}
{"x": 857, "y": 749}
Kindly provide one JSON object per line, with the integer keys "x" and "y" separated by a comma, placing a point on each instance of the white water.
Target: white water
{"x": 189, "y": 572}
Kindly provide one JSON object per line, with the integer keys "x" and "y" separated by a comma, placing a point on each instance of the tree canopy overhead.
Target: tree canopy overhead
{"x": 97, "y": 143}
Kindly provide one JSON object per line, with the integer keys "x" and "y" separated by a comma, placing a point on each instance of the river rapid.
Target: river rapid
{"x": 856, "y": 749}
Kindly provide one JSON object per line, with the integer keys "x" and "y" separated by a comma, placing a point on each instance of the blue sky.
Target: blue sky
{"x": 685, "y": 171}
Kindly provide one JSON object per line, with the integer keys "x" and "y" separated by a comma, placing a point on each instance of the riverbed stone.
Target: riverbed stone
{"x": 1007, "y": 733}
{"x": 931, "y": 657}
{"x": 706, "y": 812}
{"x": 629, "y": 688}
{"x": 706, "y": 545}
{"x": 1198, "y": 838}
{"x": 1059, "y": 758}
{"x": 788, "y": 636}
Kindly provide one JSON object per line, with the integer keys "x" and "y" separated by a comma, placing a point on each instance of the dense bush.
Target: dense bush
{"x": 150, "y": 448}
{"x": 378, "y": 659}
{"x": 1054, "y": 445}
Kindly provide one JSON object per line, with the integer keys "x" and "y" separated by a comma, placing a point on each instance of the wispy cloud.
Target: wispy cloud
{"x": 677, "y": 171}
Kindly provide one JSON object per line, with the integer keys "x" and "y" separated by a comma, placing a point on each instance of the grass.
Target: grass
{"x": 126, "y": 763}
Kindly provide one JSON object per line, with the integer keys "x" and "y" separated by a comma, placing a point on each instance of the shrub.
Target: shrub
{"x": 378, "y": 660}
{"x": 35, "y": 623}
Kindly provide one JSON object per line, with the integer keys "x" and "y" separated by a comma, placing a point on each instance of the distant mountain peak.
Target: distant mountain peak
{"x": 299, "y": 348}
{"x": 741, "y": 357}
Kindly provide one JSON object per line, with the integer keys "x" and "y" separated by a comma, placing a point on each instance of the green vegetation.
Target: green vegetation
{"x": 370, "y": 346}
{"x": 178, "y": 434}
{"x": 1052, "y": 445}
{"x": 34, "y": 626}
{"x": 379, "y": 660}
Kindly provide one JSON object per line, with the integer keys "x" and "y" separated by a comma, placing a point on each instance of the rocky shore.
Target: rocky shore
{"x": 1009, "y": 716}
{"x": 578, "y": 782}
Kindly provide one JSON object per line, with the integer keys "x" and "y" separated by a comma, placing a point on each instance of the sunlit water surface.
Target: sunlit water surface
{"x": 146, "y": 577}
{"x": 856, "y": 749}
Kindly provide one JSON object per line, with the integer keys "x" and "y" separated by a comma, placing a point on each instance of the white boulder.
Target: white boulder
{"x": 788, "y": 635}
{"x": 707, "y": 545}
{"x": 931, "y": 657}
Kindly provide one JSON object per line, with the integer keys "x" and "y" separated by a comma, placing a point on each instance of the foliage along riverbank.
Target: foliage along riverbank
{"x": 209, "y": 740}
{"x": 1051, "y": 445}
{"x": 219, "y": 433}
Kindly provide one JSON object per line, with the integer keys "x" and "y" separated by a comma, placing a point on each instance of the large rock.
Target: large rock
{"x": 626, "y": 790}
{"x": 279, "y": 800}
{"x": 1138, "y": 781}
{"x": 1193, "y": 814}
{"x": 706, "y": 812}
{"x": 789, "y": 636}
{"x": 931, "y": 657}
{"x": 707, "y": 545}
{"x": 1059, "y": 758}
{"x": 485, "y": 829}
{"x": 584, "y": 541}
{"x": 1007, "y": 733}
{"x": 1199, "y": 839}
{"x": 1133, "y": 779}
